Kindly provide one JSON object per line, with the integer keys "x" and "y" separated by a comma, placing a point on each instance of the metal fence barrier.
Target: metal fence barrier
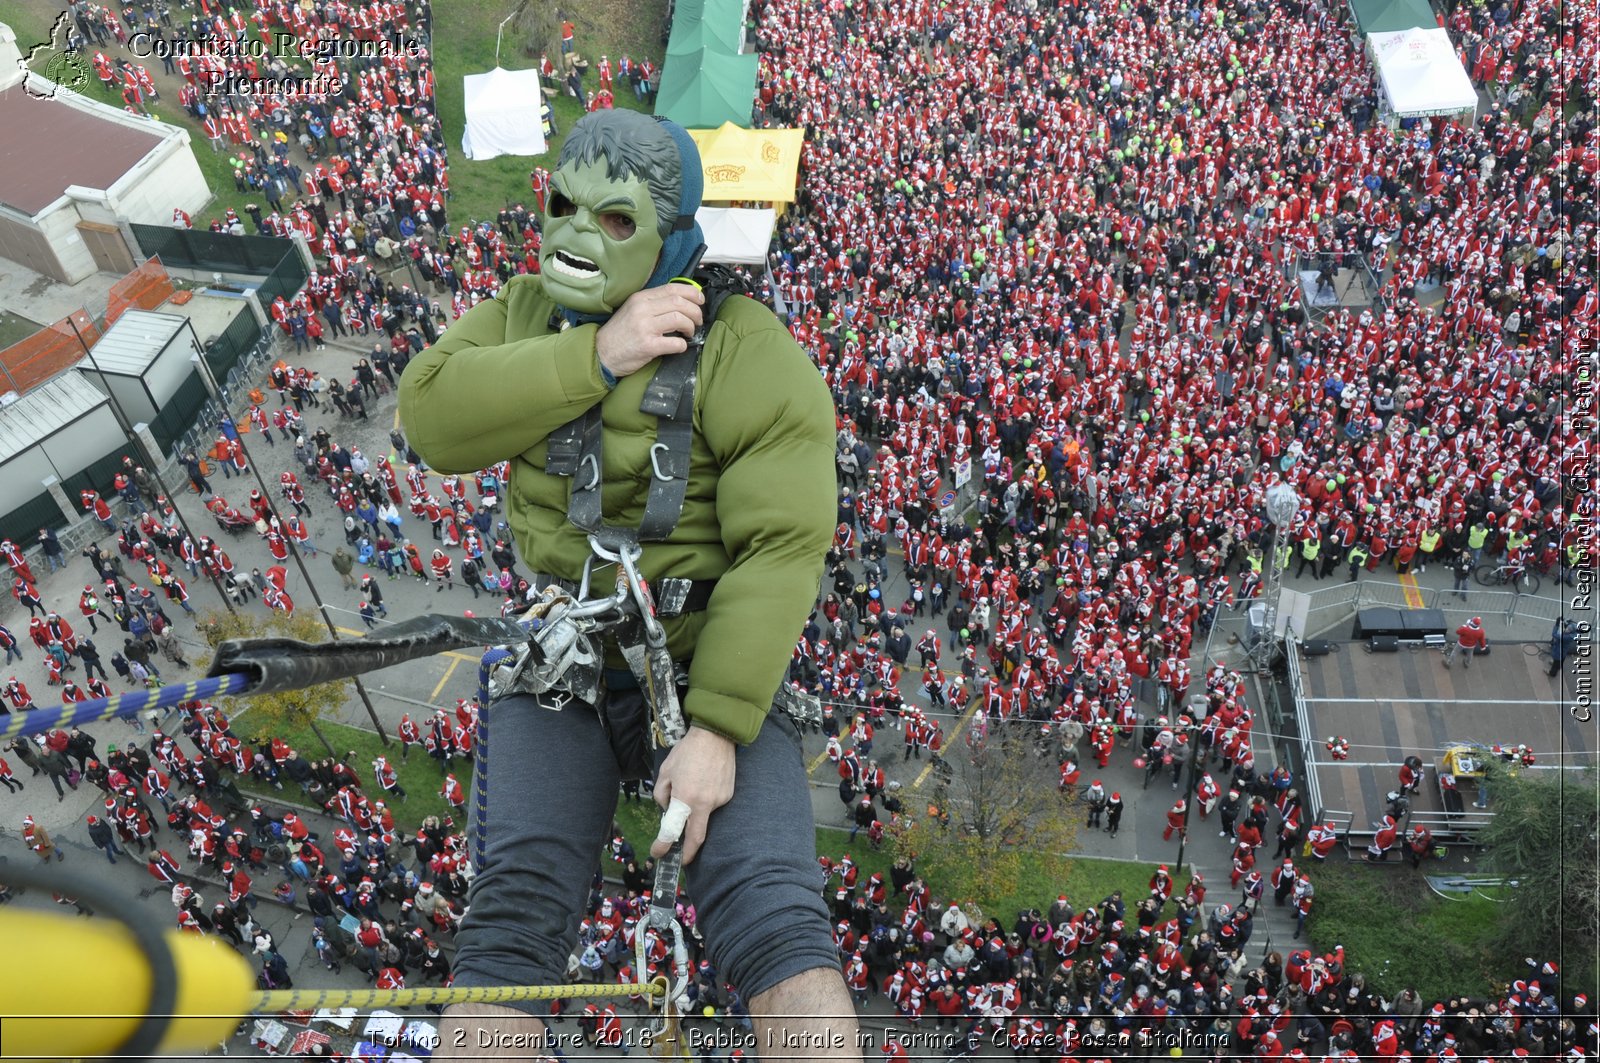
{"x": 201, "y": 249}
{"x": 285, "y": 279}
{"x": 179, "y": 414}
{"x": 23, "y": 523}
{"x": 1334, "y": 606}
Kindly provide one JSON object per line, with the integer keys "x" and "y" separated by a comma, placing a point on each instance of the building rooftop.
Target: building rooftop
{"x": 129, "y": 346}
{"x": 45, "y": 410}
{"x": 46, "y": 145}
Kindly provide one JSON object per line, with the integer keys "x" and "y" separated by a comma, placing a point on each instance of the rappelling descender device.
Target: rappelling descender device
{"x": 563, "y": 656}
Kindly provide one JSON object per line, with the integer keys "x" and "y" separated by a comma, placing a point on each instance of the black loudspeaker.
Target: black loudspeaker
{"x": 1381, "y": 620}
{"x": 1316, "y": 647}
{"x": 1383, "y": 644}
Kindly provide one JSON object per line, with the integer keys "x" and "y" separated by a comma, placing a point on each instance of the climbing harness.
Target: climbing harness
{"x": 574, "y": 449}
{"x": 559, "y": 655}
{"x": 554, "y": 650}
{"x": 567, "y": 660}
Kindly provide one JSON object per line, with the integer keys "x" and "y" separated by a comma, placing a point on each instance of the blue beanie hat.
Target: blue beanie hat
{"x": 686, "y": 236}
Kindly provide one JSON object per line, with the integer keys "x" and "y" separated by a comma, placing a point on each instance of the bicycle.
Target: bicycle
{"x": 1542, "y": 652}
{"x": 1519, "y": 578}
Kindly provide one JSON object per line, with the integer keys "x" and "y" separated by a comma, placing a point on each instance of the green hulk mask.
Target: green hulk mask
{"x": 620, "y": 217}
{"x": 601, "y": 238}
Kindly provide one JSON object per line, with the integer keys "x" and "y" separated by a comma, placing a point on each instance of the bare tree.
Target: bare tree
{"x": 1000, "y": 802}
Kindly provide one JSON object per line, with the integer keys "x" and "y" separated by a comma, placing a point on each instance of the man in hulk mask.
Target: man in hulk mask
{"x": 734, "y": 510}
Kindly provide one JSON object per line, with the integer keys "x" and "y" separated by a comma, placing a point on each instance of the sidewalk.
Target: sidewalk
{"x": 44, "y": 300}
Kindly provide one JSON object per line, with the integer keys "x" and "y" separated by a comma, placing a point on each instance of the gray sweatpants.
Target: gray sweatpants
{"x": 549, "y": 791}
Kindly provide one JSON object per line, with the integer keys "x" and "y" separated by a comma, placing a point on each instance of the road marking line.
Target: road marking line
{"x": 1413, "y": 594}
{"x": 815, "y": 764}
{"x": 448, "y": 672}
{"x": 954, "y": 735}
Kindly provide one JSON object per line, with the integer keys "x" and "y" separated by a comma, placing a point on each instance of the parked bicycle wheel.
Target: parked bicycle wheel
{"x": 1528, "y": 582}
{"x": 1490, "y": 575}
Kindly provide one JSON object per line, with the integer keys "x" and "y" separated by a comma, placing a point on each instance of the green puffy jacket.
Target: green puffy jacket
{"x": 758, "y": 513}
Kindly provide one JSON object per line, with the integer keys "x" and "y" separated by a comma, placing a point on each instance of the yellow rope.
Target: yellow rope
{"x": 368, "y": 998}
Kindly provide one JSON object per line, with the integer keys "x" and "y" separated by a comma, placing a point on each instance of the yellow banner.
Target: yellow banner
{"x": 749, "y": 164}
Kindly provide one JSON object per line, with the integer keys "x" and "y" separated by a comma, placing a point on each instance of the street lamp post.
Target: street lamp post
{"x": 1193, "y": 731}
{"x": 266, "y": 493}
{"x": 1282, "y": 505}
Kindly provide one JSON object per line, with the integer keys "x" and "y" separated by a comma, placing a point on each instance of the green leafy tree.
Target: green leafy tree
{"x": 287, "y": 708}
{"x": 1544, "y": 838}
{"x": 1000, "y": 803}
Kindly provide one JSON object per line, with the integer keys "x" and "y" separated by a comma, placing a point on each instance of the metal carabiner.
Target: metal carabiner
{"x": 628, "y": 555}
{"x": 592, "y": 463}
{"x": 598, "y": 548}
{"x": 597, "y": 551}
{"x": 655, "y": 461}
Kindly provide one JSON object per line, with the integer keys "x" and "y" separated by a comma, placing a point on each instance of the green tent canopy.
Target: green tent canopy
{"x": 1390, "y": 16}
{"x": 687, "y": 11}
{"x": 714, "y": 24}
{"x": 705, "y": 88}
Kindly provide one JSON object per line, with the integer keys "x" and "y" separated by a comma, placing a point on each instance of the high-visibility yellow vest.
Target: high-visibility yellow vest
{"x": 1310, "y": 548}
{"x": 1358, "y": 554}
{"x": 1477, "y": 536}
{"x": 1430, "y": 541}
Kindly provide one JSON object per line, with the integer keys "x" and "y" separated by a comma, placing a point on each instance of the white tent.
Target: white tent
{"x": 505, "y": 114}
{"x": 1419, "y": 74}
{"x": 737, "y": 235}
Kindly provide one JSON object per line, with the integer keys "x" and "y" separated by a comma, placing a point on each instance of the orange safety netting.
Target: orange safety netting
{"x": 146, "y": 288}
{"x": 47, "y": 352}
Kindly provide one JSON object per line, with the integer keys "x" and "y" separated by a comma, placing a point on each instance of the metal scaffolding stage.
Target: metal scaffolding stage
{"x": 1393, "y": 705}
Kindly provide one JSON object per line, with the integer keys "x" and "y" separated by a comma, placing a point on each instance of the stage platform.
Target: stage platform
{"x": 1391, "y": 705}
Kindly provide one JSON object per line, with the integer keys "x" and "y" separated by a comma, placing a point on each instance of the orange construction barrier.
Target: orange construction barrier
{"x": 146, "y": 288}
{"x": 49, "y": 351}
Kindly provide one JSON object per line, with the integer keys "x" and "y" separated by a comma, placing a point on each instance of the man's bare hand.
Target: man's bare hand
{"x": 699, "y": 771}
{"x": 650, "y": 324}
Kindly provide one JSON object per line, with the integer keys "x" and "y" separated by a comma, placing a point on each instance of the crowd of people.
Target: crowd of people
{"x": 406, "y": 889}
{"x": 1062, "y": 244}
{"x": 180, "y": 810}
{"x": 358, "y": 173}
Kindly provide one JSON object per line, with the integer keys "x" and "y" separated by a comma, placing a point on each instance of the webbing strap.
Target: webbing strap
{"x": 670, "y": 397}
{"x": 583, "y": 504}
{"x": 574, "y": 449}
